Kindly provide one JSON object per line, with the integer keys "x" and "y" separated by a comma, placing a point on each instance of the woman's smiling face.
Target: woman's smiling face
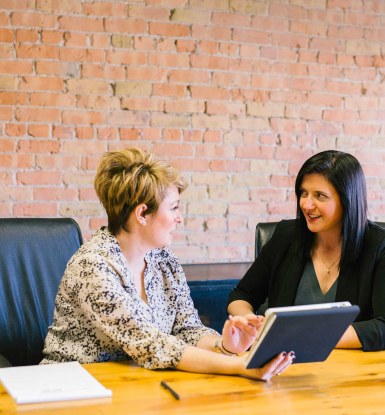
{"x": 162, "y": 223}
{"x": 320, "y": 204}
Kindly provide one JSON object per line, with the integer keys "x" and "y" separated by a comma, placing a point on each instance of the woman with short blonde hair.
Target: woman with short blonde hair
{"x": 124, "y": 293}
{"x": 126, "y": 178}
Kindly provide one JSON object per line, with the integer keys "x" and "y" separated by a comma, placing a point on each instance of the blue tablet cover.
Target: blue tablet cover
{"x": 312, "y": 334}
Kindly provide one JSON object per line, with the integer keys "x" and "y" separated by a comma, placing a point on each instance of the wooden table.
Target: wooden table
{"x": 347, "y": 383}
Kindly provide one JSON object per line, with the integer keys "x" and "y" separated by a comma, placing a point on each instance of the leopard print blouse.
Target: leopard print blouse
{"x": 99, "y": 315}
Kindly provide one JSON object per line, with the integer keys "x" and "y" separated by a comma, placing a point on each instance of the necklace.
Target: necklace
{"x": 331, "y": 265}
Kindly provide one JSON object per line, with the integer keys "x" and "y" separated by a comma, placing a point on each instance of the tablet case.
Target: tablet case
{"x": 311, "y": 334}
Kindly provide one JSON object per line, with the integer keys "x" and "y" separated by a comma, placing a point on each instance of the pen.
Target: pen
{"x": 170, "y": 389}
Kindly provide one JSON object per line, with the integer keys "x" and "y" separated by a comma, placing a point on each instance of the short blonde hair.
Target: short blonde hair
{"x": 130, "y": 177}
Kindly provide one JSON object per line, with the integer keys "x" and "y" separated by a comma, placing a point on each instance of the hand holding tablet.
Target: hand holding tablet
{"x": 311, "y": 331}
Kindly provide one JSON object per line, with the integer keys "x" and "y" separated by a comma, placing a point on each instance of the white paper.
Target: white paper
{"x": 52, "y": 382}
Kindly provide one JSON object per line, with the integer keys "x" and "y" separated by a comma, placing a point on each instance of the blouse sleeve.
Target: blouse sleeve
{"x": 109, "y": 310}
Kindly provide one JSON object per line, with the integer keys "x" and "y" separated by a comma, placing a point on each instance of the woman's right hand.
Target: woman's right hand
{"x": 274, "y": 367}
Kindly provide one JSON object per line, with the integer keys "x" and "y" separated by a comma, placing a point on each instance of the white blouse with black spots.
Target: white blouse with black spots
{"x": 99, "y": 315}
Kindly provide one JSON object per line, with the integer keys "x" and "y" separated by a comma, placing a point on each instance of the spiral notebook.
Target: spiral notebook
{"x": 311, "y": 331}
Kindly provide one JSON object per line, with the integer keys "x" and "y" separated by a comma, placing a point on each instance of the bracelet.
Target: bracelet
{"x": 219, "y": 348}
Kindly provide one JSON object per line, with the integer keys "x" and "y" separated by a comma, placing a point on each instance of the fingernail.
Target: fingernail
{"x": 284, "y": 354}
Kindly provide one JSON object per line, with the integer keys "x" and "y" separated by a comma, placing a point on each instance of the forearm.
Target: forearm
{"x": 199, "y": 360}
{"x": 207, "y": 342}
{"x": 349, "y": 340}
{"x": 240, "y": 308}
{"x": 202, "y": 361}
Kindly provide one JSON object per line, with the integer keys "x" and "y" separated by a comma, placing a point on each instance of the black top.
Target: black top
{"x": 277, "y": 271}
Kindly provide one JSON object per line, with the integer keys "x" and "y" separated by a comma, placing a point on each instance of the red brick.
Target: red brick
{"x": 189, "y": 76}
{"x": 62, "y": 131}
{"x": 38, "y": 146}
{"x": 168, "y": 29}
{"x": 98, "y": 102}
{"x": 52, "y": 99}
{"x": 107, "y": 133}
{"x": 148, "y": 13}
{"x": 185, "y": 45}
{"x": 56, "y": 68}
{"x": 52, "y": 37}
{"x": 7, "y": 145}
{"x": 231, "y": 19}
{"x": 103, "y": 71}
{"x": 38, "y": 178}
{"x": 193, "y": 136}
{"x": 39, "y": 130}
{"x": 35, "y": 210}
{"x": 16, "y": 161}
{"x": 122, "y": 57}
{"x": 85, "y": 133}
{"x": 169, "y": 90}
{"x": 13, "y": 98}
{"x": 103, "y": 9}
{"x": 36, "y": 51}
{"x": 59, "y": 162}
{"x": 68, "y": 7}
{"x": 188, "y": 106}
{"x": 75, "y": 39}
{"x": 100, "y": 40}
{"x": 68, "y": 54}
{"x": 6, "y": 113}
{"x": 83, "y": 117}
{"x": 27, "y": 35}
{"x": 192, "y": 165}
{"x": 172, "y": 134}
{"x": 36, "y": 114}
{"x": 127, "y": 25}
{"x": 81, "y": 24}
{"x": 212, "y": 136}
{"x": 15, "y": 130}
{"x": 35, "y": 83}
{"x": 28, "y": 19}
{"x": 54, "y": 194}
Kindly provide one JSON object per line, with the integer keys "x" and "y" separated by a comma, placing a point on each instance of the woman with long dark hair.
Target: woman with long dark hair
{"x": 330, "y": 252}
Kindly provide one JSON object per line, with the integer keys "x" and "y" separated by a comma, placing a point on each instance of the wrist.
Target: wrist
{"x": 220, "y": 348}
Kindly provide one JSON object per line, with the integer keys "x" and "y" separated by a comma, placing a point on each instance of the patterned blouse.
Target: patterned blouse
{"x": 99, "y": 315}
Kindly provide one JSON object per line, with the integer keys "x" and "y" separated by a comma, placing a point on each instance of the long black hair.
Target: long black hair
{"x": 344, "y": 172}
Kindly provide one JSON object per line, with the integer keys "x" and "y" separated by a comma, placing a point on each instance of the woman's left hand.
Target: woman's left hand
{"x": 240, "y": 332}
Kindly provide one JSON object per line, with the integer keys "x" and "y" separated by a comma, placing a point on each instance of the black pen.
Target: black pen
{"x": 170, "y": 389}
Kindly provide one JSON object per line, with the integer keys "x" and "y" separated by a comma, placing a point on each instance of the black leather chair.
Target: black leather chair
{"x": 263, "y": 232}
{"x": 33, "y": 255}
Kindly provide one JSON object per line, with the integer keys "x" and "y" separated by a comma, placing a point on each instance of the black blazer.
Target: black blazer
{"x": 276, "y": 273}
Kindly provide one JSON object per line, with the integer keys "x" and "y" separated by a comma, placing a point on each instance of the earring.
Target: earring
{"x": 143, "y": 222}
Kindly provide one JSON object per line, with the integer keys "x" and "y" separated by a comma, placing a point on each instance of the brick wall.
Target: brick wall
{"x": 237, "y": 92}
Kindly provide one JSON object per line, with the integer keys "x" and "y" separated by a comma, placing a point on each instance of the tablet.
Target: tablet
{"x": 311, "y": 331}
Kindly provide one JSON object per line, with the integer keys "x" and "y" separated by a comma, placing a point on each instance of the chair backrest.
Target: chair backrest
{"x": 264, "y": 231}
{"x": 33, "y": 255}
